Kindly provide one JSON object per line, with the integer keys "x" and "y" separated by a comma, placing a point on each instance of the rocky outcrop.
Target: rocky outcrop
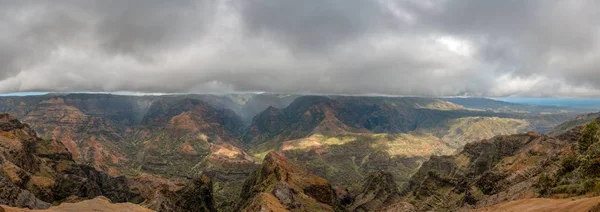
{"x": 379, "y": 191}
{"x": 280, "y": 185}
{"x": 194, "y": 196}
{"x": 11, "y": 194}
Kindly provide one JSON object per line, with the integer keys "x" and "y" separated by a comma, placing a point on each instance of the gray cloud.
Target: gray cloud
{"x": 396, "y": 47}
{"x": 315, "y": 25}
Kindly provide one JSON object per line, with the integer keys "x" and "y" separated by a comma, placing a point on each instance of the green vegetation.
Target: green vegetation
{"x": 578, "y": 121}
{"x": 579, "y": 172}
{"x": 588, "y": 137}
{"x": 458, "y": 132}
{"x": 347, "y": 158}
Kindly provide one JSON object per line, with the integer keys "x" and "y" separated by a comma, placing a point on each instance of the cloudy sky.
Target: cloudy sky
{"x": 497, "y": 48}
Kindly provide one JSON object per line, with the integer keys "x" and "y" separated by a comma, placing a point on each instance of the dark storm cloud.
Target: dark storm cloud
{"x": 315, "y": 25}
{"x": 397, "y": 47}
{"x": 143, "y": 27}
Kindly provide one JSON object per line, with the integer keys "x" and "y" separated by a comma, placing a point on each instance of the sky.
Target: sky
{"x": 508, "y": 48}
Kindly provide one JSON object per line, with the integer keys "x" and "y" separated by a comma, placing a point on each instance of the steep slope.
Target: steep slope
{"x": 579, "y": 172}
{"x": 187, "y": 137}
{"x": 577, "y": 121}
{"x": 196, "y": 195}
{"x": 483, "y": 169}
{"x": 344, "y": 139}
{"x": 91, "y": 140}
{"x": 305, "y": 116}
{"x": 250, "y": 105}
{"x": 282, "y": 186}
{"x": 502, "y": 106}
{"x": 335, "y": 115}
{"x": 347, "y": 159}
{"x": 309, "y": 114}
{"x": 379, "y": 191}
{"x": 35, "y": 172}
{"x": 458, "y": 132}
{"x": 176, "y": 136}
{"x": 508, "y": 168}
{"x": 340, "y": 138}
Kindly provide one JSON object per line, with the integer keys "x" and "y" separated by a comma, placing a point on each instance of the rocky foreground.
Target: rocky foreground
{"x": 100, "y": 204}
{"x": 591, "y": 204}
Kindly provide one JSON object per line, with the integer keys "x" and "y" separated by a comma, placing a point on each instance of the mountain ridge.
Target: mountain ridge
{"x": 181, "y": 137}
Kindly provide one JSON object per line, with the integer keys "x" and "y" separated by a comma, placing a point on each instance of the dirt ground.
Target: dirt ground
{"x": 591, "y": 204}
{"x": 97, "y": 204}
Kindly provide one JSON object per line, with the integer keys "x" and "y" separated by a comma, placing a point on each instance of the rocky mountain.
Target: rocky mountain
{"x": 183, "y": 133}
{"x": 196, "y": 195}
{"x": 187, "y": 137}
{"x": 501, "y": 106}
{"x": 171, "y": 140}
{"x": 344, "y": 139}
{"x": 577, "y": 121}
{"x": 90, "y": 139}
{"x": 509, "y": 168}
{"x": 379, "y": 190}
{"x": 37, "y": 172}
{"x": 500, "y": 173}
{"x": 282, "y": 186}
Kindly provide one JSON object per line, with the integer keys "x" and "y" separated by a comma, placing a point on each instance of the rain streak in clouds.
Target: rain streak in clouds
{"x": 388, "y": 47}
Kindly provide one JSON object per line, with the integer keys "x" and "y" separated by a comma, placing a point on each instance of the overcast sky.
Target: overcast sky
{"x": 393, "y": 47}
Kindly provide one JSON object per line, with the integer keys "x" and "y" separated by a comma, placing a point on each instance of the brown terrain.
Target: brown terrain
{"x": 547, "y": 205}
{"x": 96, "y": 204}
{"x": 185, "y": 153}
{"x": 517, "y": 168}
{"x": 279, "y": 185}
{"x": 36, "y": 172}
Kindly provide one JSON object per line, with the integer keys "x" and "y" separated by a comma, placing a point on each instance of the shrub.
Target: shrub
{"x": 576, "y": 189}
{"x": 589, "y": 136}
{"x": 545, "y": 184}
{"x": 591, "y": 167}
{"x": 568, "y": 165}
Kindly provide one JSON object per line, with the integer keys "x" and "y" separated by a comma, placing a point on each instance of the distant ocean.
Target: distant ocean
{"x": 566, "y": 102}
{"x": 24, "y": 94}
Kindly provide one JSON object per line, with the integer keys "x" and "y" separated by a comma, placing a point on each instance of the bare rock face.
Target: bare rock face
{"x": 279, "y": 185}
{"x": 11, "y": 194}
